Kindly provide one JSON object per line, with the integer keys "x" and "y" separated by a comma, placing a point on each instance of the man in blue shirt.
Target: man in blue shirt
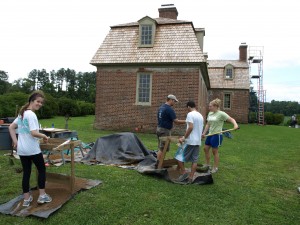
{"x": 166, "y": 116}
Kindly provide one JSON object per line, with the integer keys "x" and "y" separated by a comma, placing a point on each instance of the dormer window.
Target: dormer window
{"x": 146, "y": 35}
{"x": 147, "y": 28}
{"x": 229, "y": 71}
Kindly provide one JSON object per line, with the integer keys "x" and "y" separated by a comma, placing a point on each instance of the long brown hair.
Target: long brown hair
{"x": 34, "y": 95}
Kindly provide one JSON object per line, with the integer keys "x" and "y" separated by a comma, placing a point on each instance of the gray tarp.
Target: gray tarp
{"x": 126, "y": 148}
{"x": 121, "y": 149}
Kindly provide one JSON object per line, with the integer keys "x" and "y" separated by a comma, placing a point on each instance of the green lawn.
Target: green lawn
{"x": 256, "y": 184}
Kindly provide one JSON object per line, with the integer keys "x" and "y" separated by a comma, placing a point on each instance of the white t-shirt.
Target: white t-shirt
{"x": 27, "y": 144}
{"x": 196, "y": 119}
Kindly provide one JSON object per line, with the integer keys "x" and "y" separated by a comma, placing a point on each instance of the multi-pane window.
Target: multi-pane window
{"x": 144, "y": 89}
{"x": 146, "y": 35}
{"x": 229, "y": 71}
{"x": 227, "y": 101}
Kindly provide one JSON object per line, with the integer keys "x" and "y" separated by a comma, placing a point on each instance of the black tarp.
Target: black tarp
{"x": 121, "y": 149}
{"x": 126, "y": 148}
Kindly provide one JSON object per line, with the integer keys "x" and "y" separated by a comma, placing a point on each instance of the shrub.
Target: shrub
{"x": 278, "y": 118}
{"x": 11, "y": 103}
{"x": 252, "y": 117}
{"x": 269, "y": 117}
{"x": 86, "y": 108}
{"x": 273, "y": 119}
{"x": 68, "y": 107}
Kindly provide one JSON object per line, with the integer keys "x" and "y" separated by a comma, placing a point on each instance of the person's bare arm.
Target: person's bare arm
{"x": 205, "y": 130}
{"x": 187, "y": 132}
{"x": 37, "y": 134}
{"x": 12, "y": 131}
{"x": 178, "y": 122}
{"x": 231, "y": 120}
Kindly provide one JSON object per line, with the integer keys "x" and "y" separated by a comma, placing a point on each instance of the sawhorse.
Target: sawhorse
{"x": 162, "y": 161}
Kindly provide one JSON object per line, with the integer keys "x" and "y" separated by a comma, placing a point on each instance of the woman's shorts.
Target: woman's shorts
{"x": 214, "y": 141}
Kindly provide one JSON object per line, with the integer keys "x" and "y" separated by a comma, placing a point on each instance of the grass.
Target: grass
{"x": 256, "y": 184}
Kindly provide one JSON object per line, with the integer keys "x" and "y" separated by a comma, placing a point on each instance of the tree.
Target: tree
{"x": 4, "y": 84}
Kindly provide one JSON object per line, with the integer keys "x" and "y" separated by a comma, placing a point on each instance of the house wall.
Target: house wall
{"x": 116, "y": 107}
{"x": 240, "y": 79}
{"x": 239, "y": 103}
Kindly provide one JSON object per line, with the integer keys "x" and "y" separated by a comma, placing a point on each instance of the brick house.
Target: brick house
{"x": 140, "y": 63}
{"x": 230, "y": 82}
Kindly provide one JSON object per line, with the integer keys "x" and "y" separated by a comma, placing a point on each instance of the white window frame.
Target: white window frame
{"x": 225, "y": 101}
{"x": 138, "y": 102}
{"x": 226, "y": 69}
{"x": 147, "y": 22}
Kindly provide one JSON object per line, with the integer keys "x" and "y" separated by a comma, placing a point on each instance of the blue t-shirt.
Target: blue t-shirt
{"x": 165, "y": 116}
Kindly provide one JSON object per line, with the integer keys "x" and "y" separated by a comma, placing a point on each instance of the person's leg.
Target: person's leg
{"x": 207, "y": 154}
{"x": 39, "y": 162}
{"x": 216, "y": 158}
{"x": 161, "y": 132}
{"x": 26, "y": 165}
{"x": 193, "y": 170}
{"x": 181, "y": 167}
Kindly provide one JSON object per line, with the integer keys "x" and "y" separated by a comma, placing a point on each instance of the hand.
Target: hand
{"x": 203, "y": 136}
{"x": 236, "y": 127}
{"x": 181, "y": 140}
{"x": 45, "y": 139}
{"x": 14, "y": 145}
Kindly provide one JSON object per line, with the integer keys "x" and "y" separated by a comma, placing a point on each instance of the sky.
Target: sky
{"x": 54, "y": 34}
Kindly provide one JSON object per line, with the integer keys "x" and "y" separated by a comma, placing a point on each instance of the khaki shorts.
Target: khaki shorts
{"x": 162, "y": 132}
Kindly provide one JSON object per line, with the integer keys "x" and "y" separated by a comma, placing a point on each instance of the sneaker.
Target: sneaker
{"x": 26, "y": 203}
{"x": 214, "y": 170}
{"x": 182, "y": 177}
{"x": 44, "y": 198}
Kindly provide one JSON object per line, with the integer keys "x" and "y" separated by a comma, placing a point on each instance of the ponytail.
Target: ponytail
{"x": 31, "y": 98}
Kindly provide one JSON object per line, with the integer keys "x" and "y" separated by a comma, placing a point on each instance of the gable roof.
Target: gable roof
{"x": 175, "y": 42}
{"x": 223, "y": 63}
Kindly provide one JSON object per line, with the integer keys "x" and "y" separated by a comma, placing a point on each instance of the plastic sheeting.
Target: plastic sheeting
{"x": 58, "y": 187}
{"x": 120, "y": 149}
{"x": 126, "y": 148}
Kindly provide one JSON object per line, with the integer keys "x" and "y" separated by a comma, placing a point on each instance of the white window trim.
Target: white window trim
{"x": 148, "y": 22}
{"x": 227, "y": 93}
{"x": 228, "y": 66}
{"x": 137, "y": 90}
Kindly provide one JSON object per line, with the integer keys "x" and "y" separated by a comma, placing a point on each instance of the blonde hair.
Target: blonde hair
{"x": 34, "y": 95}
{"x": 216, "y": 102}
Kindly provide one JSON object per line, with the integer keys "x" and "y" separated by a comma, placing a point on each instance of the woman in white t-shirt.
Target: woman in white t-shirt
{"x": 214, "y": 125}
{"x": 28, "y": 148}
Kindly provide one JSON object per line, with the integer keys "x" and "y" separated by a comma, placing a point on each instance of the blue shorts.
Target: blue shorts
{"x": 214, "y": 141}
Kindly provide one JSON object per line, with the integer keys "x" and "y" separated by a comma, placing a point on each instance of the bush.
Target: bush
{"x": 11, "y": 103}
{"x": 68, "y": 107}
{"x": 86, "y": 108}
{"x": 269, "y": 117}
{"x": 278, "y": 118}
{"x": 273, "y": 119}
{"x": 252, "y": 117}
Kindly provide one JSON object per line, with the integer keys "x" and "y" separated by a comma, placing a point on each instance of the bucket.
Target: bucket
{"x": 5, "y": 139}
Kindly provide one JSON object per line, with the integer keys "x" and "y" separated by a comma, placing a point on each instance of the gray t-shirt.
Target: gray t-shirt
{"x": 27, "y": 144}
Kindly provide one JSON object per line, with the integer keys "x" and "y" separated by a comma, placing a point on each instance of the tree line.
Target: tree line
{"x": 61, "y": 83}
{"x": 67, "y": 93}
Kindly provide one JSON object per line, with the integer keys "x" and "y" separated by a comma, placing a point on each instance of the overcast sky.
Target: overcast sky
{"x": 54, "y": 34}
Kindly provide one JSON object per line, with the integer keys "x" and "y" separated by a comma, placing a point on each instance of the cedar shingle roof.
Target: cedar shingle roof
{"x": 223, "y": 63}
{"x": 175, "y": 42}
{"x": 159, "y": 21}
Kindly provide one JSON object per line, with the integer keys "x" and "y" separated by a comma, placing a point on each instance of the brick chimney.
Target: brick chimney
{"x": 168, "y": 11}
{"x": 243, "y": 52}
